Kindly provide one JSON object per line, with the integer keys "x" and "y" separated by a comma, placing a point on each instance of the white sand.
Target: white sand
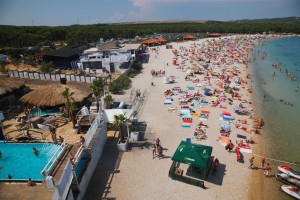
{"x": 142, "y": 177}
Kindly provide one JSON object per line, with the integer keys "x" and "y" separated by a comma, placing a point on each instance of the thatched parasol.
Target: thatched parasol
{"x": 10, "y": 84}
{"x": 51, "y": 95}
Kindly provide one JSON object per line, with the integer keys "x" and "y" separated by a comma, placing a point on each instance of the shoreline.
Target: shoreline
{"x": 265, "y": 187}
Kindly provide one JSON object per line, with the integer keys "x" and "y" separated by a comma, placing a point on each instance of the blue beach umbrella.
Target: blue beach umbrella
{"x": 206, "y": 92}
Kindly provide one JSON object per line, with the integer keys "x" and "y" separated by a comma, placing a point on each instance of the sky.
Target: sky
{"x": 68, "y": 12}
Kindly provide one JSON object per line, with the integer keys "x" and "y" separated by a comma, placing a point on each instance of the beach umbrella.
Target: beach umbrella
{"x": 206, "y": 92}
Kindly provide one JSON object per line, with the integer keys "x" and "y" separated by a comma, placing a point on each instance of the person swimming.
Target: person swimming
{"x": 35, "y": 151}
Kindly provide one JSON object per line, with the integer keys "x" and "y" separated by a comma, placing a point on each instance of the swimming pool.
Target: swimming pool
{"x": 43, "y": 112}
{"x": 19, "y": 161}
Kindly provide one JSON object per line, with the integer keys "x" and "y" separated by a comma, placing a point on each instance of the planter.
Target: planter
{"x": 122, "y": 146}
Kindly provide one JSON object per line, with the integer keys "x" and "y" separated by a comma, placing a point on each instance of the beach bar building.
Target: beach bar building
{"x": 189, "y": 37}
{"x": 109, "y": 57}
{"x": 154, "y": 42}
{"x": 65, "y": 57}
{"x": 191, "y": 163}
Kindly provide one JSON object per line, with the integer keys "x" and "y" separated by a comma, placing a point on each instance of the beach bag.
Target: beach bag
{"x": 227, "y": 147}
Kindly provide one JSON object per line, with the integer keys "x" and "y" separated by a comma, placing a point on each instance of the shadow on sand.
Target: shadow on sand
{"x": 217, "y": 178}
{"x": 100, "y": 183}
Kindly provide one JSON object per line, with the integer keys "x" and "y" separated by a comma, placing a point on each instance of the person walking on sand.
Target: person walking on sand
{"x": 157, "y": 143}
{"x": 53, "y": 135}
{"x": 263, "y": 162}
{"x": 267, "y": 169}
{"x": 215, "y": 166}
{"x": 251, "y": 162}
{"x": 153, "y": 151}
{"x": 160, "y": 152}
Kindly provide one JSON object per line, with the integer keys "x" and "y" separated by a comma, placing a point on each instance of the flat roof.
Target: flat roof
{"x": 93, "y": 49}
{"x": 131, "y": 46}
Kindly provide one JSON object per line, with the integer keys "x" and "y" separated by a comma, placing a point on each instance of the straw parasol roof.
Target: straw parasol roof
{"x": 51, "y": 94}
{"x": 10, "y": 84}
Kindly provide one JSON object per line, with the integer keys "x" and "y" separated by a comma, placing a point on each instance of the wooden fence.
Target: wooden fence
{"x": 51, "y": 77}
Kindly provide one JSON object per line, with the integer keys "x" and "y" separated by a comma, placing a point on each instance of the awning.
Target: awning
{"x": 194, "y": 154}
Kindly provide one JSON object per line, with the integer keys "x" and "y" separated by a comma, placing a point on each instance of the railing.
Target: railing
{"x": 64, "y": 183}
{"x": 89, "y": 135}
{"x": 48, "y": 167}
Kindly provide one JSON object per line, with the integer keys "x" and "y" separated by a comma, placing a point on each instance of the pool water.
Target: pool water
{"x": 19, "y": 161}
{"x": 43, "y": 112}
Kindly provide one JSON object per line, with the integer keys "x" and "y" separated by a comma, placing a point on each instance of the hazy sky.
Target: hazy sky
{"x": 68, "y": 12}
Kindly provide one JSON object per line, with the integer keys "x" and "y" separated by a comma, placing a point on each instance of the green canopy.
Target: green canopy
{"x": 194, "y": 154}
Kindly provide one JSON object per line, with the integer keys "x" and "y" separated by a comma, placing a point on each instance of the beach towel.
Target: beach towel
{"x": 191, "y": 87}
{"x": 224, "y": 128}
{"x": 186, "y": 125}
{"x": 245, "y": 149}
{"x": 241, "y": 136}
{"x": 187, "y": 120}
{"x": 225, "y": 134}
{"x": 173, "y": 109}
{"x": 223, "y": 140}
{"x": 226, "y": 118}
{"x": 205, "y": 112}
{"x": 185, "y": 107}
{"x": 168, "y": 102}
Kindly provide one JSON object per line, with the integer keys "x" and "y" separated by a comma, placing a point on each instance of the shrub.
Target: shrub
{"x": 46, "y": 67}
{"x": 121, "y": 83}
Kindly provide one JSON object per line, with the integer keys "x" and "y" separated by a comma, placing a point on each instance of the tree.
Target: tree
{"x": 70, "y": 106}
{"x": 2, "y": 67}
{"x": 46, "y": 67}
{"x": 119, "y": 122}
{"x": 98, "y": 90}
{"x": 108, "y": 100}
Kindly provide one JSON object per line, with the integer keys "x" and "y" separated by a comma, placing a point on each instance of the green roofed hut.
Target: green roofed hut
{"x": 197, "y": 159}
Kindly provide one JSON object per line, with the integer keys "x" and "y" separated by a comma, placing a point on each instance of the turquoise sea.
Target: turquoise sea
{"x": 281, "y": 107}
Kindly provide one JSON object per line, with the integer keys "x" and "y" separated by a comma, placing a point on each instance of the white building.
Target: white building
{"x": 109, "y": 57}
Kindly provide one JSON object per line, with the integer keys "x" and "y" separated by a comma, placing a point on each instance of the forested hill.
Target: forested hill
{"x": 24, "y": 36}
{"x": 284, "y": 19}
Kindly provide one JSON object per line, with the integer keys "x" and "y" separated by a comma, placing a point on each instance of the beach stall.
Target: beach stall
{"x": 191, "y": 163}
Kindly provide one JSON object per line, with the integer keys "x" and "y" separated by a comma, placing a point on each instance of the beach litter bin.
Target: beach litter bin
{"x": 134, "y": 136}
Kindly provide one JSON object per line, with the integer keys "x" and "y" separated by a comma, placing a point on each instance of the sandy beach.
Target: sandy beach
{"x": 142, "y": 177}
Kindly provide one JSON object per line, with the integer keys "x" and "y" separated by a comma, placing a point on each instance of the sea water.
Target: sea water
{"x": 277, "y": 101}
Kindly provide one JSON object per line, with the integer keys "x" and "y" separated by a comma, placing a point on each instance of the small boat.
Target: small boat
{"x": 285, "y": 178}
{"x": 288, "y": 170}
{"x": 292, "y": 191}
